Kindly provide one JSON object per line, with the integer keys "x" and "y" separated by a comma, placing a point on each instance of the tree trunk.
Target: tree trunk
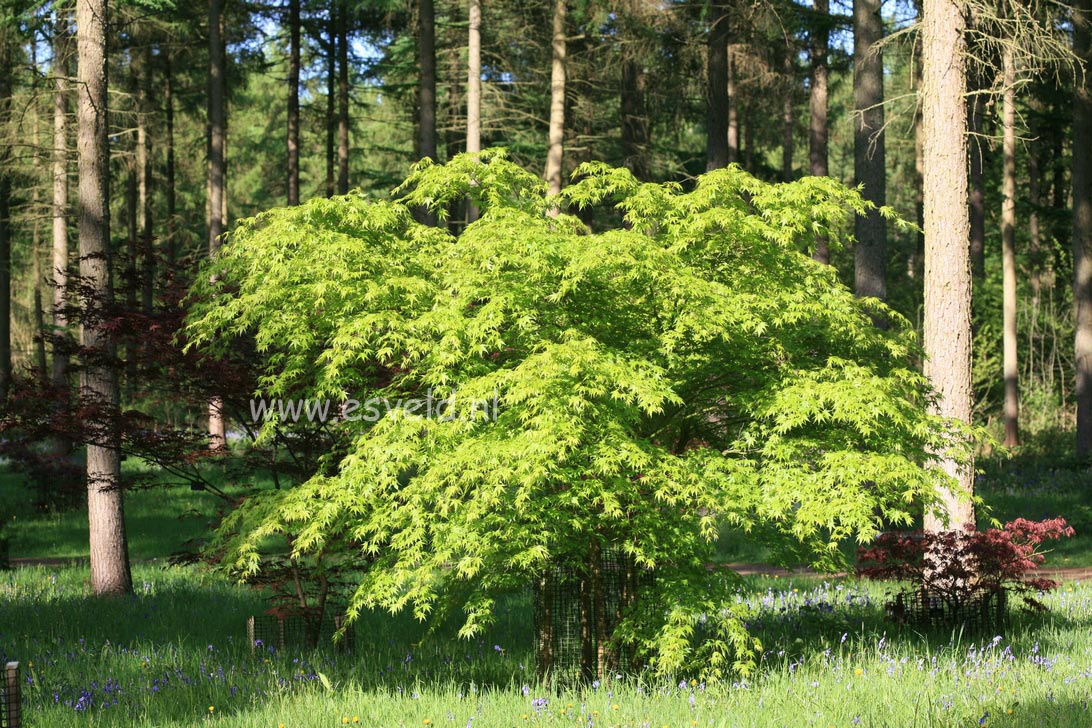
{"x": 473, "y": 90}
{"x": 1082, "y": 227}
{"x": 427, "y": 90}
{"x": 716, "y": 65}
{"x": 733, "y": 110}
{"x": 105, "y": 509}
{"x": 947, "y": 335}
{"x": 60, "y": 201}
{"x": 293, "y": 102}
{"x": 1008, "y": 255}
{"x": 788, "y": 116}
{"x": 634, "y": 119}
{"x": 342, "y": 99}
{"x": 216, "y": 114}
{"x": 41, "y": 365}
{"x": 144, "y": 177}
{"x": 1035, "y": 249}
{"x": 168, "y": 89}
{"x": 555, "y": 152}
{"x": 817, "y": 129}
{"x": 7, "y": 43}
{"x": 331, "y": 99}
{"x": 977, "y": 204}
{"x": 869, "y": 155}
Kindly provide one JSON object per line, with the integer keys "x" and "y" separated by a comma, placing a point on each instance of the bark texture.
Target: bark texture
{"x": 60, "y": 196}
{"x": 947, "y": 322}
{"x": 1082, "y": 227}
{"x": 869, "y": 155}
{"x": 216, "y": 126}
{"x": 294, "y": 102}
{"x": 555, "y": 152}
{"x": 1008, "y": 255}
{"x": 716, "y": 69}
{"x": 474, "y": 89}
{"x": 817, "y": 101}
{"x": 105, "y": 509}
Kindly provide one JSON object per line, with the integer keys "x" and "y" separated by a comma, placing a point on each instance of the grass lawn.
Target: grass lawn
{"x": 175, "y": 653}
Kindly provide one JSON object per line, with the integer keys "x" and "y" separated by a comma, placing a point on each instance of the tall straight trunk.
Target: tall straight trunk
{"x": 634, "y": 119}
{"x": 105, "y": 508}
{"x": 869, "y": 153}
{"x": 7, "y": 43}
{"x": 342, "y": 99}
{"x": 716, "y": 69}
{"x": 144, "y": 179}
{"x": 473, "y": 90}
{"x": 556, "y": 140}
{"x": 426, "y": 91}
{"x": 748, "y": 139}
{"x": 788, "y": 116}
{"x": 733, "y": 110}
{"x": 216, "y": 126}
{"x": 1035, "y": 198}
{"x": 168, "y": 91}
{"x": 947, "y": 335}
{"x": 1082, "y": 227}
{"x": 817, "y": 99}
{"x": 915, "y": 258}
{"x": 331, "y": 99}
{"x": 977, "y": 199}
{"x": 293, "y": 102}
{"x": 60, "y": 200}
{"x": 1008, "y": 255}
{"x": 426, "y": 38}
{"x": 41, "y": 365}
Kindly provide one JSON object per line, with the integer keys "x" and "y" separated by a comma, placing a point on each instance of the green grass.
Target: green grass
{"x": 177, "y": 647}
{"x": 160, "y": 520}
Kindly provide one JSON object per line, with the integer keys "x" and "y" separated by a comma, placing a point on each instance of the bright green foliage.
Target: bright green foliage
{"x": 690, "y": 370}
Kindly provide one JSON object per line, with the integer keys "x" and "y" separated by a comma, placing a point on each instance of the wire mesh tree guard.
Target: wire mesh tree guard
{"x": 576, "y": 610}
{"x": 283, "y": 630}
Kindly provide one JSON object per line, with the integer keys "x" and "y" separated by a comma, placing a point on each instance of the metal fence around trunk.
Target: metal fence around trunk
{"x": 11, "y": 699}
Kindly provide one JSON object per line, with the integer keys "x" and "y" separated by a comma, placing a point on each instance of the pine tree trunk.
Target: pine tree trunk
{"x": 217, "y": 123}
{"x": 817, "y": 129}
{"x": 144, "y": 178}
{"x": 788, "y": 116}
{"x": 634, "y": 119}
{"x": 733, "y": 110}
{"x": 60, "y": 201}
{"x": 1082, "y": 227}
{"x": 293, "y": 102}
{"x": 426, "y": 32}
{"x": 716, "y": 65}
{"x": 1008, "y": 255}
{"x": 977, "y": 204}
{"x": 168, "y": 89}
{"x": 474, "y": 90}
{"x": 6, "y": 60}
{"x": 947, "y": 336}
{"x": 105, "y": 509}
{"x": 555, "y": 152}
{"x": 331, "y": 99}
{"x": 342, "y": 99}
{"x": 869, "y": 153}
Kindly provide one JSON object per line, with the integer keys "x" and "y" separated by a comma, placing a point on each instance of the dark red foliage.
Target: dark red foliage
{"x": 956, "y": 565}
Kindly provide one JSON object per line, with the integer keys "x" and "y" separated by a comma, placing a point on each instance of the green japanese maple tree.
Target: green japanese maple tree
{"x": 637, "y": 389}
